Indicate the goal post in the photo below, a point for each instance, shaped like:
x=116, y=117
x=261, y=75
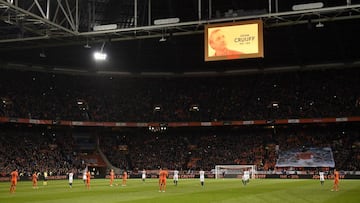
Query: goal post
x=234, y=171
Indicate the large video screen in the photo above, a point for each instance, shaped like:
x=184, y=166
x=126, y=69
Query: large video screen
x=235, y=40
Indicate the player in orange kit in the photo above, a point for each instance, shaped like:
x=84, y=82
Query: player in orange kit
x=162, y=179
x=112, y=176
x=14, y=176
x=35, y=180
x=88, y=176
x=124, y=178
x=336, y=181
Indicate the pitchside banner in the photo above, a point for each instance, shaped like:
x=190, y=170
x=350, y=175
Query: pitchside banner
x=234, y=40
x=308, y=157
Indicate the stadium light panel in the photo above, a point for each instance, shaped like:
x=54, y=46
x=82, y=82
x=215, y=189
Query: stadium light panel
x=166, y=21
x=308, y=6
x=100, y=56
x=105, y=27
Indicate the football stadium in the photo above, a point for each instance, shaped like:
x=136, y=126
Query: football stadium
x=179, y=101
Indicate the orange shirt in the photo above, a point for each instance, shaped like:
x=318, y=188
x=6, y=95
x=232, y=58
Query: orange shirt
x=88, y=175
x=112, y=175
x=14, y=175
x=124, y=175
x=336, y=176
x=34, y=177
x=163, y=174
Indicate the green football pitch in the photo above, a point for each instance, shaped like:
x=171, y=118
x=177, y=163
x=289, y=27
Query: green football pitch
x=188, y=190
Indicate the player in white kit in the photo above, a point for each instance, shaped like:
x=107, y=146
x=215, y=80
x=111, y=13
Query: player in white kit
x=202, y=177
x=246, y=177
x=322, y=177
x=71, y=178
x=84, y=175
x=143, y=175
x=176, y=177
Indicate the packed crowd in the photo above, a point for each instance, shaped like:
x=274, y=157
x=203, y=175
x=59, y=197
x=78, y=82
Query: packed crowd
x=32, y=150
x=194, y=149
x=306, y=94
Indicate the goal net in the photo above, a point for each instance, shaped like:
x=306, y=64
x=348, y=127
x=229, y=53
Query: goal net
x=234, y=171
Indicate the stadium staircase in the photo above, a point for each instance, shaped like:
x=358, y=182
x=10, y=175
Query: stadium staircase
x=94, y=160
x=107, y=162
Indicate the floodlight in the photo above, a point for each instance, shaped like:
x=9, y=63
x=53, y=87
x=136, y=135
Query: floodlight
x=194, y=107
x=100, y=56
x=87, y=46
x=42, y=54
x=319, y=25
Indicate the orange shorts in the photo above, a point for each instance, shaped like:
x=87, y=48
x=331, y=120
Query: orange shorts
x=13, y=182
x=162, y=181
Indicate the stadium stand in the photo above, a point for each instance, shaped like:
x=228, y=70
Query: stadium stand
x=305, y=94
x=267, y=96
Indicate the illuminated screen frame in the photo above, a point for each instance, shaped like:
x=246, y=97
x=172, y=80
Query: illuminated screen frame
x=244, y=39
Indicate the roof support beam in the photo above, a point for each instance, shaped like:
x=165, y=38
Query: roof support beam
x=35, y=16
x=281, y=15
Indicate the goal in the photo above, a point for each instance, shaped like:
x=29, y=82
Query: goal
x=234, y=171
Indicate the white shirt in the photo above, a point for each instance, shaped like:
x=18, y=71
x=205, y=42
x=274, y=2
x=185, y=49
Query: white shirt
x=71, y=177
x=322, y=178
x=246, y=175
x=202, y=176
x=143, y=175
x=176, y=175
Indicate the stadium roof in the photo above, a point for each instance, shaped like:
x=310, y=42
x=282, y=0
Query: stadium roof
x=60, y=34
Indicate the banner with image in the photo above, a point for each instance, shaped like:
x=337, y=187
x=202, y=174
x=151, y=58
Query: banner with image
x=306, y=157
